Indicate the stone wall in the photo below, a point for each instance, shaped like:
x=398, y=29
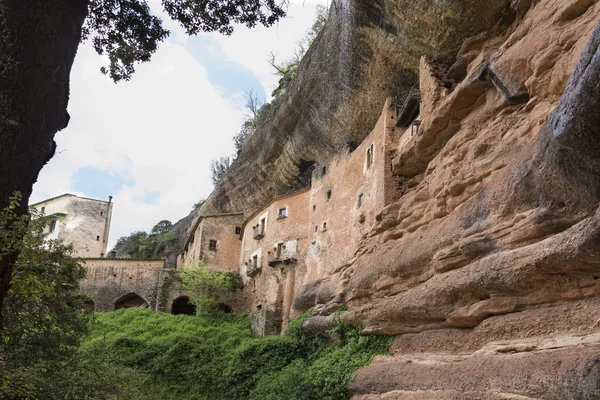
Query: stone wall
x=109, y=282
x=269, y=285
x=216, y=241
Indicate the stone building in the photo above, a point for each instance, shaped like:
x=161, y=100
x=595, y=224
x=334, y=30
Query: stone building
x=301, y=238
x=82, y=222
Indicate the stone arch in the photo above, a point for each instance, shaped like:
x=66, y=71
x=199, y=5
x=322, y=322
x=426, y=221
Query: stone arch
x=88, y=305
x=182, y=305
x=130, y=300
x=224, y=308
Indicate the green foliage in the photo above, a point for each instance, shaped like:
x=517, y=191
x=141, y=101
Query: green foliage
x=140, y=244
x=12, y=226
x=206, y=288
x=288, y=69
x=218, y=357
x=128, y=33
x=43, y=320
x=219, y=169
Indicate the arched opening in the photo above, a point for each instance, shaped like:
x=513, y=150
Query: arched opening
x=183, y=306
x=224, y=308
x=88, y=305
x=130, y=300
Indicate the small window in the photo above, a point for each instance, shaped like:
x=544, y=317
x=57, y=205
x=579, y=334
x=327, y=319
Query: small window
x=361, y=200
x=280, y=248
x=329, y=194
x=255, y=262
x=316, y=228
x=43, y=210
x=282, y=213
x=314, y=208
x=324, y=171
x=102, y=213
x=212, y=245
x=370, y=156
x=52, y=226
x=261, y=226
x=97, y=238
x=324, y=226
x=238, y=230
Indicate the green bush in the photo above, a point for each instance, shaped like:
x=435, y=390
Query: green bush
x=218, y=357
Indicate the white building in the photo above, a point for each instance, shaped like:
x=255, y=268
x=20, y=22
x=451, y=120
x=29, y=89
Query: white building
x=82, y=222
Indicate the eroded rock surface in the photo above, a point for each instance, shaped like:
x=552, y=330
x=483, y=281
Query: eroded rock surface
x=487, y=267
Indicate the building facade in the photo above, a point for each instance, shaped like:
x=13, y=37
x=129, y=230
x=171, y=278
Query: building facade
x=305, y=236
x=79, y=221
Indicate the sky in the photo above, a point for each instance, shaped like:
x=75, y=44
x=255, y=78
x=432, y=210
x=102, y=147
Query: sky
x=149, y=142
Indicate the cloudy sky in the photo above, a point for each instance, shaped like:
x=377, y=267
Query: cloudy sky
x=149, y=142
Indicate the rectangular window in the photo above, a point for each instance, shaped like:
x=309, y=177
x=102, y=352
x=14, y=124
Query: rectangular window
x=255, y=262
x=314, y=208
x=43, y=209
x=282, y=212
x=324, y=171
x=97, y=238
x=261, y=226
x=324, y=226
x=101, y=213
x=52, y=226
x=369, y=156
x=329, y=194
x=212, y=245
x=237, y=230
x=361, y=200
x=279, y=252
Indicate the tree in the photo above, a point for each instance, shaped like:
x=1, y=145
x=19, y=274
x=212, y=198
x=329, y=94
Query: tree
x=219, y=169
x=288, y=69
x=142, y=245
x=207, y=289
x=38, y=43
x=44, y=321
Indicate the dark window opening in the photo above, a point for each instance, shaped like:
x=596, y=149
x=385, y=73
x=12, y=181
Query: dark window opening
x=361, y=200
x=329, y=194
x=183, y=306
x=324, y=171
x=238, y=230
x=314, y=208
x=324, y=226
x=43, y=209
x=370, y=156
x=97, y=238
x=52, y=226
x=212, y=245
x=101, y=213
x=280, y=248
x=316, y=228
x=282, y=212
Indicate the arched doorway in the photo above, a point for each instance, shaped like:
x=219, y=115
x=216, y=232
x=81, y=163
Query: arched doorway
x=130, y=300
x=88, y=305
x=224, y=308
x=182, y=305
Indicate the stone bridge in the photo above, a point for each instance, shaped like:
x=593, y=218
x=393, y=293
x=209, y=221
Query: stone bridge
x=112, y=284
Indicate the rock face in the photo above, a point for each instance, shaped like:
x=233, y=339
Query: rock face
x=487, y=267
x=368, y=50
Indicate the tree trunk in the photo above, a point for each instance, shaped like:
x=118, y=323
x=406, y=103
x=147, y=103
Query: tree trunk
x=38, y=43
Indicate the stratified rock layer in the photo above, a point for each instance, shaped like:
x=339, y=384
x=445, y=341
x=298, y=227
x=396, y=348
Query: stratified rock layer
x=487, y=268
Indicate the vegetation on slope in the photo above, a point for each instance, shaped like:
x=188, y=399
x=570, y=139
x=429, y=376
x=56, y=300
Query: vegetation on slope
x=145, y=245
x=218, y=357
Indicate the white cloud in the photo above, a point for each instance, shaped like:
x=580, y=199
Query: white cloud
x=252, y=47
x=162, y=129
